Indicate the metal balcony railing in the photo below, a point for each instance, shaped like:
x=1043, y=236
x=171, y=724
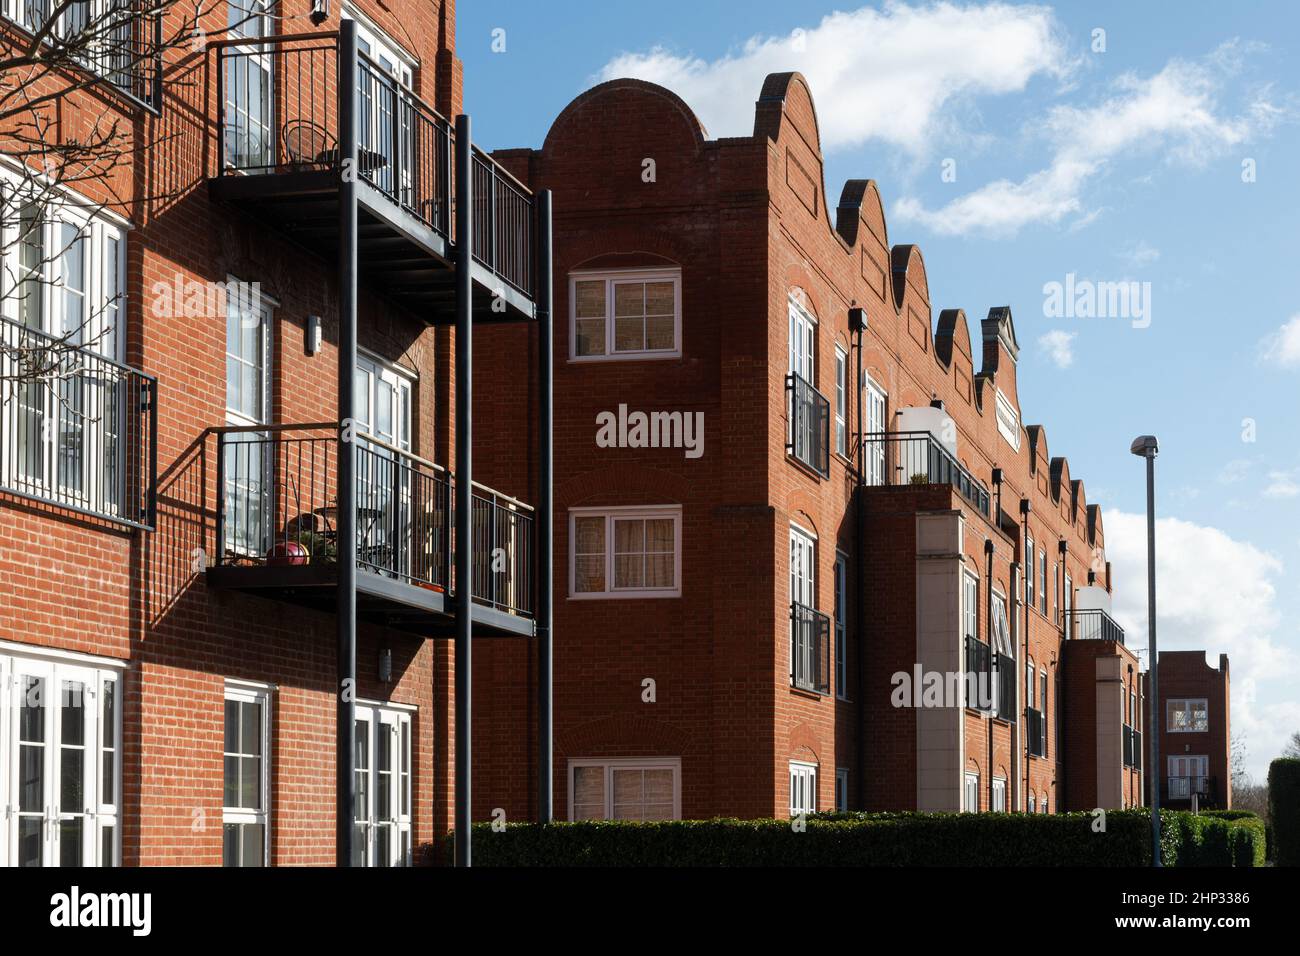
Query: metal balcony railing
x=1132, y=748
x=278, y=506
x=77, y=430
x=1182, y=788
x=808, y=433
x=279, y=105
x=1094, y=624
x=1035, y=732
x=810, y=649
x=918, y=458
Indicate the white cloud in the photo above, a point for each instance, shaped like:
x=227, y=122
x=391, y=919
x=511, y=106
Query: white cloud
x=1283, y=346
x=1219, y=595
x=1174, y=113
x=1059, y=346
x=895, y=74
x=1282, y=484
x=1234, y=471
x=1140, y=253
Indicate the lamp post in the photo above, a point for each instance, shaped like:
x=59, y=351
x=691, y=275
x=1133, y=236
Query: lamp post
x=1146, y=446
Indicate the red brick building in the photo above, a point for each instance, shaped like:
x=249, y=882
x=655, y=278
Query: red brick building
x=740, y=607
x=174, y=673
x=1195, y=731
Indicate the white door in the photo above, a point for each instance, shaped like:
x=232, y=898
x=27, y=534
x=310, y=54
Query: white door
x=1187, y=776
x=803, y=591
x=803, y=336
x=385, y=114
x=383, y=815
x=250, y=135
x=874, y=453
x=383, y=411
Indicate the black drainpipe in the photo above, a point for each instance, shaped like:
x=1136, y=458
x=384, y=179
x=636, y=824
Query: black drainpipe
x=988, y=619
x=858, y=325
x=1025, y=508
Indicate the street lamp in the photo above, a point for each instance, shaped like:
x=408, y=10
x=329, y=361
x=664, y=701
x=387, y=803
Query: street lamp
x=1146, y=446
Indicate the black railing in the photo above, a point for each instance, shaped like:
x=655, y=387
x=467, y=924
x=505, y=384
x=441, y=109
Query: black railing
x=810, y=649
x=503, y=223
x=808, y=434
x=1182, y=788
x=979, y=669
x=1132, y=748
x=121, y=41
x=1094, y=624
x=278, y=506
x=278, y=102
x=918, y=458
x=1035, y=732
x=77, y=430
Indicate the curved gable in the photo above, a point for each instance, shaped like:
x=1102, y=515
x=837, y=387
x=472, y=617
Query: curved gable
x=585, y=123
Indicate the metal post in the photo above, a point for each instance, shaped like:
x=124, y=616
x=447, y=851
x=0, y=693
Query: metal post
x=345, y=717
x=545, y=510
x=1153, y=724
x=464, y=542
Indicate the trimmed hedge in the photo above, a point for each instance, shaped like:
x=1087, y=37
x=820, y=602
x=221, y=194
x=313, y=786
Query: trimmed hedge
x=1284, y=810
x=876, y=839
x=1246, y=850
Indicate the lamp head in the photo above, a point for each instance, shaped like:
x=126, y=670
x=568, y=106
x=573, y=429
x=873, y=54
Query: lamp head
x=1145, y=446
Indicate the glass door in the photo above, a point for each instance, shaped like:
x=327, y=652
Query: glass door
x=875, y=425
x=250, y=123
x=383, y=412
x=383, y=814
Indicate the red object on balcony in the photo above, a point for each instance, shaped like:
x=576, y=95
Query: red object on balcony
x=288, y=552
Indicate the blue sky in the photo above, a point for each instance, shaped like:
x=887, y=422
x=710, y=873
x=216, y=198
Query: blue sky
x=1124, y=164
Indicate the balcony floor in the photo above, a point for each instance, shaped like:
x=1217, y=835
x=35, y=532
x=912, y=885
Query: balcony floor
x=397, y=253
x=380, y=600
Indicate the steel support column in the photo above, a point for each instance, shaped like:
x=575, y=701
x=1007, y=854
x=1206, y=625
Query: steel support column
x=464, y=479
x=545, y=510
x=347, y=462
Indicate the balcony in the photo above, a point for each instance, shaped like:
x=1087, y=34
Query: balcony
x=276, y=532
x=1094, y=624
x=808, y=436
x=810, y=649
x=918, y=458
x=1035, y=732
x=1132, y=748
x=1184, y=788
x=78, y=431
x=278, y=154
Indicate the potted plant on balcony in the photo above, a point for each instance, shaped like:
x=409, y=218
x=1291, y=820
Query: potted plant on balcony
x=305, y=547
x=920, y=478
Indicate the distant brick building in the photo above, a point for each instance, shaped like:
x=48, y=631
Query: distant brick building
x=1195, y=731
x=869, y=507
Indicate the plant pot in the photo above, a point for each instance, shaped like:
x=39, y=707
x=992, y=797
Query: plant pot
x=288, y=553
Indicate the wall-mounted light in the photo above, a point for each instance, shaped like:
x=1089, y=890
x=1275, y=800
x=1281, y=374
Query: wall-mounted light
x=385, y=665
x=320, y=12
x=857, y=319
x=313, y=334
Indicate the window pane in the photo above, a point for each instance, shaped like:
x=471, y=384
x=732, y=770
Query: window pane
x=251, y=851
x=250, y=795
x=659, y=571
x=590, y=534
x=70, y=848
x=629, y=570
x=659, y=298
x=659, y=332
x=251, y=728
x=590, y=337
x=629, y=334
x=589, y=574
x=589, y=299
x=230, y=790
x=629, y=535
x=629, y=298
x=588, y=793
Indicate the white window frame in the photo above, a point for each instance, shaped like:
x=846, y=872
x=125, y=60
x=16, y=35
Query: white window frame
x=1031, y=676
x=610, y=764
x=999, y=795
x=877, y=422
x=802, y=335
x=238, y=539
x=1189, y=709
x=841, y=402
x=841, y=625
x=251, y=693
x=1042, y=578
x=652, y=512
x=803, y=782
x=1030, y=565
x=98, y=813
x=970, y=795
x=842, y=789
x=1069, y=604
x=612, y=278
x=970, y=603
x=389, y=718
x=101, y=331
x=1033, y=802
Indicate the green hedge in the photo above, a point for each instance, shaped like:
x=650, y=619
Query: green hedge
x=877, y=839
x=1246, y=850
x=1284, y=810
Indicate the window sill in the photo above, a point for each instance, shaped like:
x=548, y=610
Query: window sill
x=804, y=692
x=626, y=595
x=625, y=357
x=806, y=468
